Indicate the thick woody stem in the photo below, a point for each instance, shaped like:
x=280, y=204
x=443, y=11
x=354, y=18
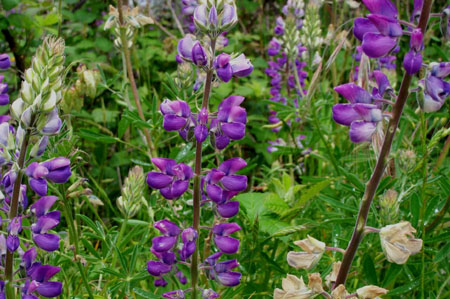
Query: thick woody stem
x=374, y=181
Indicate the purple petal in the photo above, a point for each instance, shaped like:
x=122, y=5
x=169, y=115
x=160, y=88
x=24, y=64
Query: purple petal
x=45, y=272
x=50, y=289
x=175, y=190
x=377, y=45
x=232, y=165
x=241, y=66
x=226, y=266
x=235, y=182
x=227, y=245
x=228, y=14
x=39, y=186
x=185, y=46
x=162, y=243
x=201, y=133
x=199, y=55
x=229, y=279
x=4, y=99
x=173, y=122
x=47, y=242
x=368, y=112
x=353, y=93
x=412, y=62
x=225, y=73
x=5, y=62
x=226, y=229
x=214, y=193
x=156, y=268
x=12, y=243
x=382, y=81
x=382, y=7
x=387, y=26
x=361, y=131
x=234, y=131
x=41, y=207
x=228, y=209
x=344, y=114
x=167, y=227
x=361, y=26
x=157, y=180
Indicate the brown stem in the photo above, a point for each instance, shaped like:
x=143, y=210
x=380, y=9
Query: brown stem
x=443, y=154
x=197, y=178
x=134, y=90
x=13, y=209
x=374, y=181
x=20, y=59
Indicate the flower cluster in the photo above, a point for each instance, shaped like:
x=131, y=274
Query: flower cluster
x=36, y=111
x=187, y=9
x=286, y=68
x=214, y=188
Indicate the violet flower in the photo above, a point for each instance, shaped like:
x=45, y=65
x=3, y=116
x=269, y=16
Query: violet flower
x=56, y=170
x=221, y=271
x=436, y=90
x=39, y=283
x=361, y=115
x=222, y=239
x=5, y=62
x=4, y=97
x=380, y=31
x=173, y=180
x=413, y=59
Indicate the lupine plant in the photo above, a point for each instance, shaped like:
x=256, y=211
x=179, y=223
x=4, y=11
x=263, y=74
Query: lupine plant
x=367, y=115
x=214, y=188
x=37, y=114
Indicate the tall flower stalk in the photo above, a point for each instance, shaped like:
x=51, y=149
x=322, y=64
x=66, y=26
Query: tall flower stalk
x=378, y=172
x=36, y=111
x=216, y=189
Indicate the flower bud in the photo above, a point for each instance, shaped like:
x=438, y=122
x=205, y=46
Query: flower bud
x=132, y=193
x=5, y=62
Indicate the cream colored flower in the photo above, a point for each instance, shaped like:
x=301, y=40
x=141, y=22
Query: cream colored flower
x=398, y=242
x=293, y=288
x=331, y=278
x=313, y=251
x=315, y=283
x=339, y=293
x=370, y=292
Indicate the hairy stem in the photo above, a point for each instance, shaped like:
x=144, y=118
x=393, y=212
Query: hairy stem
x=13, y=210
x=377, y=174
x=126, y=53
x=197, y=178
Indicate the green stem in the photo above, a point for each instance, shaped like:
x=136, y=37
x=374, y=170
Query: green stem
x=423, y=198
x=197, y=178
x=73, y=238
x=137, y=101
x=378, y=172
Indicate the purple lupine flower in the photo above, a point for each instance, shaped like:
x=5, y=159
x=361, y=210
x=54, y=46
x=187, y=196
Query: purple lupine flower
x=279, y=28
x=56, y=170
x=435, y=93
x=221, y=271
x=200, y=16
x=241, y=66
x=199, y=56
x=170, y=233
x=53, y=124
x=223, y=184
x=188, y=236
x=181, y=277
x=188, y=8
x=39, y=283
x=173, y=180
x=44, y=240
x=201, y=130
x=4, y=97
x=413, y=59
x=380, y=31
x=229, y=15
x=230, y=122
x=209, y=294
x=176, y=114
x=274, y=47
x=178, y=294
x=5, y=62
x=14, y=228
x=222, y=239
x=361, y=115
x=223, y=67
x=43, y=205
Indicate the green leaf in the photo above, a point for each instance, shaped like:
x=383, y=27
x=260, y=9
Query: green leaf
x=9, y=4
x=253, y=204
x=404, y=288
x=90, y=248
x=97, y=137
x=370, y=273
x=442, y=254
x=145, y=294
x=91, y=224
